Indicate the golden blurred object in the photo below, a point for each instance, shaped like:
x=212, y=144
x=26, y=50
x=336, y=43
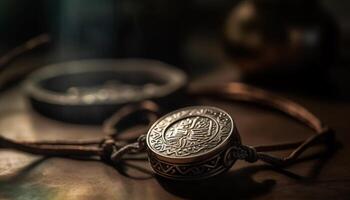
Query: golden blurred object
x=279, y=36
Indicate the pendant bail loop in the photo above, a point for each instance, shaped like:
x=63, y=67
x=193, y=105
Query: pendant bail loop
x=136, y=147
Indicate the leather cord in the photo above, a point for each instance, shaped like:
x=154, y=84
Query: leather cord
x=245, y=93
x=111, y=150
x=9, y=74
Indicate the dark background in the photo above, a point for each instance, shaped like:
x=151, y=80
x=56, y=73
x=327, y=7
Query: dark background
x=188, y=34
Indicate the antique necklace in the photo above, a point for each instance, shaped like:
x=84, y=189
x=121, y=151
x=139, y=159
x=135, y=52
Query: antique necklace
x=190, y=143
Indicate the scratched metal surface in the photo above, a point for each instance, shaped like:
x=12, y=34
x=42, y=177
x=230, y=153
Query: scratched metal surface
x=24, y=176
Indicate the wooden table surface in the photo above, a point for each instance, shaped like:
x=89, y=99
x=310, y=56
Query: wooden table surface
x=24, y=176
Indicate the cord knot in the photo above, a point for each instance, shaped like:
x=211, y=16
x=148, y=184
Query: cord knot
x=108, y=148
x=115, y=156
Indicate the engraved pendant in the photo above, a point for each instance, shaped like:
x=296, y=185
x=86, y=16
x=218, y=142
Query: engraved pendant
x=193, y=143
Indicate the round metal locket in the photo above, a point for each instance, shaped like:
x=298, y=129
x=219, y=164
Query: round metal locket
x=192, y=143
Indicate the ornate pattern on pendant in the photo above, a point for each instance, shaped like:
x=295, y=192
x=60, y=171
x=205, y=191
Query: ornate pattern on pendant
x=190, y=132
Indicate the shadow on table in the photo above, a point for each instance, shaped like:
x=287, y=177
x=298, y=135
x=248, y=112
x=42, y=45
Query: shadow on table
x=239, y=184
x=236, y=184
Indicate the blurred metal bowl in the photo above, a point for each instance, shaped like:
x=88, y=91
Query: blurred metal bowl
x=89, y=91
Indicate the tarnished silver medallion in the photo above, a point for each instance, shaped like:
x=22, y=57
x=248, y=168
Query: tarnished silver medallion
x=192, y=143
